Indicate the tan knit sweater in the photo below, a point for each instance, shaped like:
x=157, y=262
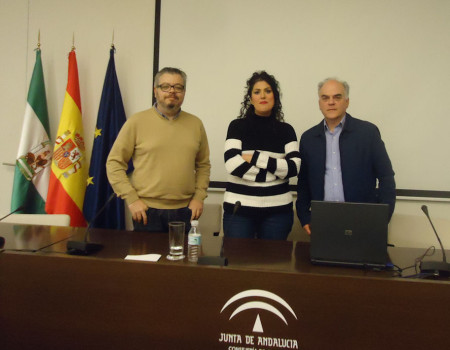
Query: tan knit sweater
x=170, y=158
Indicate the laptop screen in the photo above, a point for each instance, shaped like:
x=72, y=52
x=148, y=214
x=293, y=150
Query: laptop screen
x=352, y=234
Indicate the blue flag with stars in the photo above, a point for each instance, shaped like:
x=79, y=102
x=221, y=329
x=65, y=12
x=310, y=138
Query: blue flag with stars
x=101, y=208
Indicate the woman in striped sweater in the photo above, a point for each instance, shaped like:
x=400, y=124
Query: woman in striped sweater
x=261, y=154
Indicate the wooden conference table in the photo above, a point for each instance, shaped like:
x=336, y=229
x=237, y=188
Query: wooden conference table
x=268, y=297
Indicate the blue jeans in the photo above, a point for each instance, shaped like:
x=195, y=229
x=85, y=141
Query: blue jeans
x=274, y=226
x=158, y=219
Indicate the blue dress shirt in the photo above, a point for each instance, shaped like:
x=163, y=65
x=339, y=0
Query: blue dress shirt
x=334, y=189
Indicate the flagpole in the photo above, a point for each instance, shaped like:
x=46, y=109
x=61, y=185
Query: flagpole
x=39, y=41
x=112, y=43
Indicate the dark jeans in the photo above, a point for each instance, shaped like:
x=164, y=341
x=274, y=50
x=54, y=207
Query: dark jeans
x=274, y=226
x=158, y=219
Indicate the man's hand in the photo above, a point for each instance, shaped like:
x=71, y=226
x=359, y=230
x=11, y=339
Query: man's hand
x=307, y=229
x=196, y=207
x=138, y=211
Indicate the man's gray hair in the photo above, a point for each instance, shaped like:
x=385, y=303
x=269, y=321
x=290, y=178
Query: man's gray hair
x=169, y=70
x=344, y=84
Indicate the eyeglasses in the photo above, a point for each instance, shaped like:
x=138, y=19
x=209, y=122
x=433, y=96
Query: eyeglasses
x=167, y=87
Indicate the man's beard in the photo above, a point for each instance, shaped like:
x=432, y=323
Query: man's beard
x=172, y=104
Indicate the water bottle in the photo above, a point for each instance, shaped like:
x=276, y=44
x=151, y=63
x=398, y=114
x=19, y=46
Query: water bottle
x=194, y=242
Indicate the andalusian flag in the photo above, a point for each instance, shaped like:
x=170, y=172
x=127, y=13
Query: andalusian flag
x=69, y=172
x=32, y=171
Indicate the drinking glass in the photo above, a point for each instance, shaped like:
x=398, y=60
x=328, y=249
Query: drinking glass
x=176, y=240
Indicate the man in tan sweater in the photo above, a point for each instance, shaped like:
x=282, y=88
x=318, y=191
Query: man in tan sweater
x=170, y=154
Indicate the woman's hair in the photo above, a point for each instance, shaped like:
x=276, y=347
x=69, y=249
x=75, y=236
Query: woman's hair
x=248, y=109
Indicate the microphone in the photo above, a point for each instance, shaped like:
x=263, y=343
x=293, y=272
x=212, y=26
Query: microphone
x=219, y=260
x=437, y=268
x=14, y=211
x=236, y=207
x=84, y=247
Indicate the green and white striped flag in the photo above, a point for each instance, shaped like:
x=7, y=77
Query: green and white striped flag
x=32, y=173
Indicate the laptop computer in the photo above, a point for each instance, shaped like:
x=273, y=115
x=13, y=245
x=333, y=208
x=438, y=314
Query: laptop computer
x=349, y=234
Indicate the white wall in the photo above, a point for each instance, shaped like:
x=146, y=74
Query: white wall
x=393, y=53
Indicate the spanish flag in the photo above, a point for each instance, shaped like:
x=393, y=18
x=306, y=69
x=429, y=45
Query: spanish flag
x=69, y=172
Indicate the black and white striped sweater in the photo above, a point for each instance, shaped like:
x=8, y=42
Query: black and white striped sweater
x=262, y=186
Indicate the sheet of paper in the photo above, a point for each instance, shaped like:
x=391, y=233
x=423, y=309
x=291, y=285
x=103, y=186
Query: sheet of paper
x=144, y=257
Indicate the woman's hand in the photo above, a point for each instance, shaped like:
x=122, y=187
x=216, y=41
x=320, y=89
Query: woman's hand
x=247, y=157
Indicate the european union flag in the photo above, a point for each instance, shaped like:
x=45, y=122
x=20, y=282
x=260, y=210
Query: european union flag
x=111, y=117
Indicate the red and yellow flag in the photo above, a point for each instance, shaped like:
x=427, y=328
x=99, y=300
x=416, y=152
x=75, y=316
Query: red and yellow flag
x=69, y=173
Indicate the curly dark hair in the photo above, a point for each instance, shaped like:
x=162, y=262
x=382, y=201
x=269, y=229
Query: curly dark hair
x=248, y=109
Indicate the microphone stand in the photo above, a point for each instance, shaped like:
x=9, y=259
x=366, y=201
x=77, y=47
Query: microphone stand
x=15, y=211
x=84, y=247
